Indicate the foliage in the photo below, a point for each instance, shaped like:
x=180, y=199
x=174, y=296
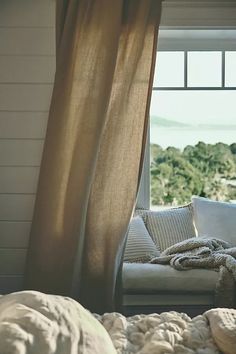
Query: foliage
x=204, y=169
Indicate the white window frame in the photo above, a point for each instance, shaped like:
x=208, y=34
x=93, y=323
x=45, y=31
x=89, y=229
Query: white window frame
x=168, y=43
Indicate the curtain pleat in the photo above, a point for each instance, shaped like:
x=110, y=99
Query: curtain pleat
x=93, y=149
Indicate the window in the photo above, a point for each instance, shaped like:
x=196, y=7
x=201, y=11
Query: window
x=193, y=121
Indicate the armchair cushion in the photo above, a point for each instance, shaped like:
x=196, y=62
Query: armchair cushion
x=155, y=278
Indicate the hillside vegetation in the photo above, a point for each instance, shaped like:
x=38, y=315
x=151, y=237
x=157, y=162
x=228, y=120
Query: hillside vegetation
x=167, y=123
x=204, y=169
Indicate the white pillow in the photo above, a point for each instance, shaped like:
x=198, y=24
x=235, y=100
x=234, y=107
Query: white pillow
x=139, y=247
x=215, y=219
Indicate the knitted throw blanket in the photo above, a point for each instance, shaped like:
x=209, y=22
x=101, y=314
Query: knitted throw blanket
x=207, y=253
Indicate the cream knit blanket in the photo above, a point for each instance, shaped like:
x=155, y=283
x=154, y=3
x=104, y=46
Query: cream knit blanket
x=36, y=323
x=207, y=253
x=166, y=333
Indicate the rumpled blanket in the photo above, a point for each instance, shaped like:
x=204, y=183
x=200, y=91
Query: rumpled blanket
x=209, y=253
x=167, y=333
x=36, y=323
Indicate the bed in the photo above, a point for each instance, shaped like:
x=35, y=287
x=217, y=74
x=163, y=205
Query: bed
x=33, y=322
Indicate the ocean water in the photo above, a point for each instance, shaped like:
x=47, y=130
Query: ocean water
x=181, y=137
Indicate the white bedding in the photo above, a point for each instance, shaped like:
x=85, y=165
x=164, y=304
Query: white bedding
x=36, y=323
x=170, y=332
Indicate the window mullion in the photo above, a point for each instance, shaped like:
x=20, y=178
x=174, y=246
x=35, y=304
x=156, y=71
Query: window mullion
x=185, y=69
x=223, y=69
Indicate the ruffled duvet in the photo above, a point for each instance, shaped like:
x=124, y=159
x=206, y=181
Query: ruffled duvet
x=32, y=322
x=170, y=332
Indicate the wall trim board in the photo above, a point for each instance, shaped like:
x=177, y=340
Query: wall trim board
x=27, y=69
x=27, y=97
x=15, y=125
x=14, y=234
x=16, y=207
x=27, y=41
x=12, y=261
x=35, y=13
x=10, y=283
x=20, y=152
x=16, y=180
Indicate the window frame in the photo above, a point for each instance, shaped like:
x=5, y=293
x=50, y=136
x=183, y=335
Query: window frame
x=144, y=196
x=198, y=88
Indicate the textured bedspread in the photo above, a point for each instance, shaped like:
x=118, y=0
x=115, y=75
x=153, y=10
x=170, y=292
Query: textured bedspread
x=36, y=323
x=170, y=332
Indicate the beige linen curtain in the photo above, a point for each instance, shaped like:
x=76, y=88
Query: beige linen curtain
x=94, y=146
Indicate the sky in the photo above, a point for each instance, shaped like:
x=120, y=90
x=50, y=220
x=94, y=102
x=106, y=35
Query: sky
x=195, y=107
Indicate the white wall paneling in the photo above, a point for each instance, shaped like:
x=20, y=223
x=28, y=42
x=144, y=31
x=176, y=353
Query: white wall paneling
x=14, y=234
x=11, y=283
x=18, y=125
x=25, y=97
x=16, y=207
x=21, y=152
x=12, y=261
x=18, y=180
x=27, y=13
x=27, y=41
x=27, y=67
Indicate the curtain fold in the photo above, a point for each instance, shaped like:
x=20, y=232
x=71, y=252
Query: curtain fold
x=94, y=146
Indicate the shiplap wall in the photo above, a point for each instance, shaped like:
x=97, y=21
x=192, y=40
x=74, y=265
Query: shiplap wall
x=27, y=66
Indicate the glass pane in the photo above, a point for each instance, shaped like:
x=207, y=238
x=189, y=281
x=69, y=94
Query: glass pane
x=169, y=71
x=204, y=69
x=230, y=69
x=193, y=146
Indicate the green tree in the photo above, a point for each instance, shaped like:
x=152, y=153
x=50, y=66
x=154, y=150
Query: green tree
x=204, y=169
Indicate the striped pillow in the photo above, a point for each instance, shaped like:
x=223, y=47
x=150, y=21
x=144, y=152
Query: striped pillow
x=139, y=246
x=142, y=213
x=167, y=227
